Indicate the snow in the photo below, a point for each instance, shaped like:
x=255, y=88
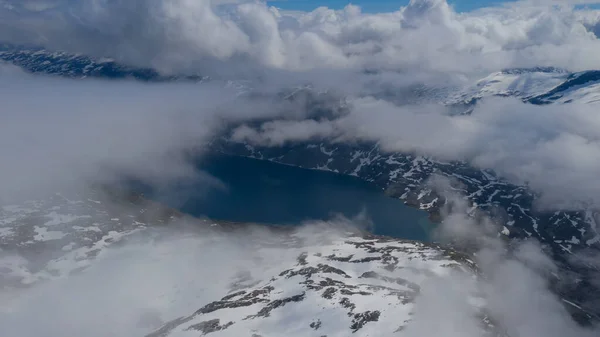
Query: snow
x=16, y=267
x=7, y=220
x=6, y=232
x=57, y=219
x=587, y=93
x=394, y=174
x=92, y=228
x=519, y=84
x=491, y=197
x=423, y=193
x=529, y=84
x=68, y=247
x=324, y=150
x=18, y=209
x=82, y=257
x=526, y=84
x=416, y=263
x=571, y=303
x=594, y=226
x=326, y=166
x=43, y=234
x=428, y=205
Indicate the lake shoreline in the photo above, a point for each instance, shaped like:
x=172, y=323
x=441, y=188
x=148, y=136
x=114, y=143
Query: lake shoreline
x=433, y=213
x=164, y=213
x=247, y=189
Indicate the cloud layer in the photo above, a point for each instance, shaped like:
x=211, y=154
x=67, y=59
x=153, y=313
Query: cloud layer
x=186, y=35
x=555, y=149
x=63, y=133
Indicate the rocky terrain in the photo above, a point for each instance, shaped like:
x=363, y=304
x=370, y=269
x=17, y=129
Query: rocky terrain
x=364, y=286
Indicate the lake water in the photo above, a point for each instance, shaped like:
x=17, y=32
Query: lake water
x=266, y=192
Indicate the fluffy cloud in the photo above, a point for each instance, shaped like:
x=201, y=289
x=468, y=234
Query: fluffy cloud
x=424, y=42
x=516, y=278
x=59, y=133
x=185, y=35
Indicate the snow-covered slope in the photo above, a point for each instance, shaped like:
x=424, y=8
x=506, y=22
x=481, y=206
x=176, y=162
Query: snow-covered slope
x=522, y=83
x=535, y=86
x=541, y=85
x=349, y=286
x=64, y=233
x=581, y=87
x=249, y=280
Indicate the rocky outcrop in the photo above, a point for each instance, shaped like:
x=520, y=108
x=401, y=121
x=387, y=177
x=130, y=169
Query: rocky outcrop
x=365, y=285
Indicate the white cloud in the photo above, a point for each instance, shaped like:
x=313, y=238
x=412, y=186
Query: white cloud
x=185, y=35
x=516, y=279
x=59, y=133
x=555, y=149
x=62, y=132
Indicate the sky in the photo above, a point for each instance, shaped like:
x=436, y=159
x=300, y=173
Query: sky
x=372, y=6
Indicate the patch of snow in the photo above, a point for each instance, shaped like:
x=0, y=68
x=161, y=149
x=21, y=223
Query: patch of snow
x=43, y=234
x=68, y=247
x=6, y=232
x=58, y=219
x=324, y=151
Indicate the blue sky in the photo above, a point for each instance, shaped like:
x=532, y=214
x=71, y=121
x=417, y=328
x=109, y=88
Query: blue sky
x=376, y=5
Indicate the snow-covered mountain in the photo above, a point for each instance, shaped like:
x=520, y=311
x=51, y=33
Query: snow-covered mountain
x=535, y=86
x=335, y=283
x=400, y=175
x=41, y=61
x=364, y=286
x=542, y=85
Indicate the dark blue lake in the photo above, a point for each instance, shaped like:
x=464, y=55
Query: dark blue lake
x=266, y=192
